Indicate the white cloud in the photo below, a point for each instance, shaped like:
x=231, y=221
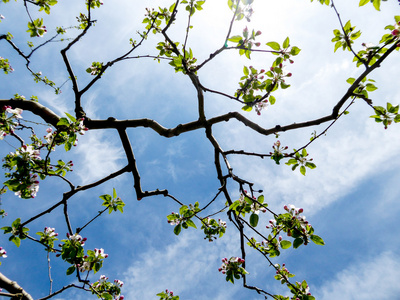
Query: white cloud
x=183, y=266
x=375, y=278
x=98, y=157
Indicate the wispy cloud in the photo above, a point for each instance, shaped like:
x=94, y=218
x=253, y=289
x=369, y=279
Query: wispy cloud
x=375, y=278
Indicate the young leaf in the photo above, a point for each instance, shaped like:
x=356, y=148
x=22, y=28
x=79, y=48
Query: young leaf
x=191, y=223
x=274, y=45
x=297, y=243
x=285, y=244
x=254, y=220
x=303, y=170
x=286, y=43
x=177, y=229
x=70, y=270
x=317, y=240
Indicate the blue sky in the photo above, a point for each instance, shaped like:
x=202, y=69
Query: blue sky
x=351, y=198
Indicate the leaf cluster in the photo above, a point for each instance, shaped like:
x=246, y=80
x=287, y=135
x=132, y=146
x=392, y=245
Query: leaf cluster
x=347, y=38
x=17, y=232
x=300, y=159
x=183, y=218
x=386, y=115
x=113, y=203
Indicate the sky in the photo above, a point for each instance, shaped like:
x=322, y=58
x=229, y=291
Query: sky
x=351, y=198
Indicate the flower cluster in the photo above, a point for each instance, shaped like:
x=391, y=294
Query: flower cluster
x=48, y=237
x=3, y=252
x=175, y=219
x=27, y=152
x=232, y=263
x=273, y=225
x=396, y=30
x=278, y=154
x=95, y=68
x=93, y=261
x=256, y=207
x=5, y=65
x=279, y=74
x=104, y=289
x=295, y=212
x=167, y=295
x=8, y=120
x=36, y=28
x=76, y=238
x=282, y=273
x=299, y=290
x=67, y=130
x=31, y=190
x=248, y=204
x=212, y=228
x=22, y=180
x=260, y=106
x=183, y=218
x=232, y=268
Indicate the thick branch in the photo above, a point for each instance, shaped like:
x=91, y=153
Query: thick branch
x=14, y=288
x=38, y=109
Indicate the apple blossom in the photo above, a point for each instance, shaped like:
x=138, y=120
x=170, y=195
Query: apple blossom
x=3, y=252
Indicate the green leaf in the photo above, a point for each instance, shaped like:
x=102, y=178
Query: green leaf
x=191, y=223
x=72, y=118
x=63, y=121
x=285, y=244
x=286, y=43
x=274, y=45
x=363, y=2
x=272, y=100
x=177, y=229
x=254, y=220
x=234, y=205
x=317, y=240
x=310, y=165
x=337, y=45
x=351, y=80
x=297, y=243
x=303, y=170
x=245, y=71
x=16, y=240
x=70, y=270
x=377, y=4
x=247, y=108
x=370, y=87
x=295, y=50
x=235, y=39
